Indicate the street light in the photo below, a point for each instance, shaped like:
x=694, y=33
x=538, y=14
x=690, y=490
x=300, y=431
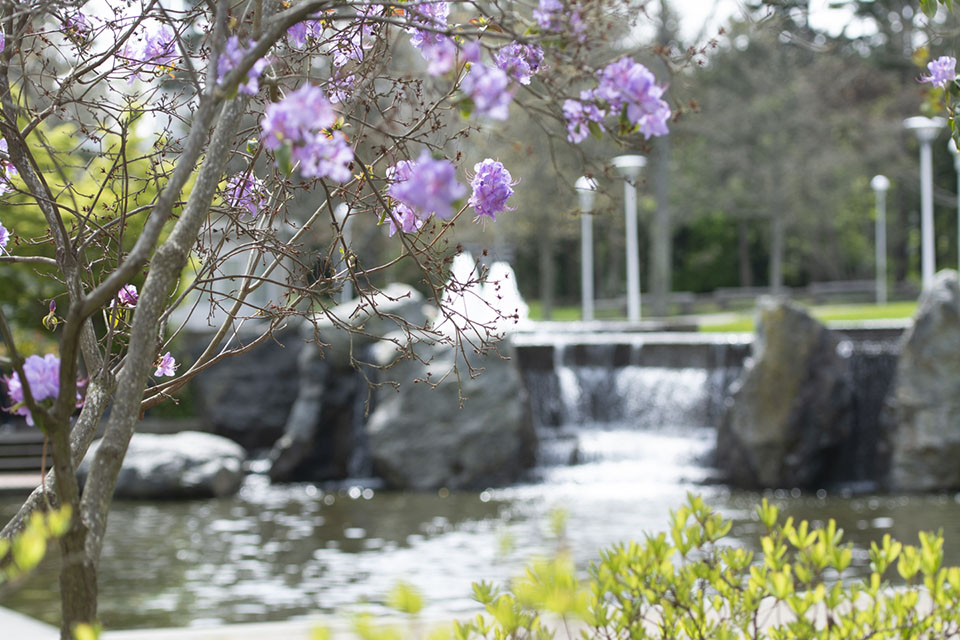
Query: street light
x=952, y=145
x=629, y=167
x=926, y=130
x=587, y=190
x=342, y=213
x=880, y=185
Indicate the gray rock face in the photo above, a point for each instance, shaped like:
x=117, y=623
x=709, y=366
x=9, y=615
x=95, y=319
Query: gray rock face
x=323, y=437
x=189, y=464
x=247, y=398
x=421, y=438
x=793, y=404
x=926, y=394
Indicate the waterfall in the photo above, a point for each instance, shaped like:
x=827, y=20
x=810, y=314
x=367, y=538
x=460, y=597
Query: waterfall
x=653, y=381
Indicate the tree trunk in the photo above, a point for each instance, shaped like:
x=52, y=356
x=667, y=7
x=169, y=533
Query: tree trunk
x=660, y=257
x=547, y=273
x=776, y=252
x=743, y=254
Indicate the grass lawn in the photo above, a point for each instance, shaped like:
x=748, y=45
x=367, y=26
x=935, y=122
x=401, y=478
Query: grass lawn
x=742, y=321
x=828, y=313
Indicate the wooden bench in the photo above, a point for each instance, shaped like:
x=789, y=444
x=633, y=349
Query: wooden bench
x=22, y=451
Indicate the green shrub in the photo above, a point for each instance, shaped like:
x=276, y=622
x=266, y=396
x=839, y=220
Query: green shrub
x=688, y=584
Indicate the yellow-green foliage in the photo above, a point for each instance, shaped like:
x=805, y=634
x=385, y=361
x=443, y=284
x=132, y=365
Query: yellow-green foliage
x=24, y=552
x=103, y=191
x=688, y=584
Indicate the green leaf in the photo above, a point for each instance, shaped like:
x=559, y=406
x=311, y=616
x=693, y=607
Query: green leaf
x=595, y=130
x=929, y=7
x=252, y=145
x=285, y=159
x=405, y=598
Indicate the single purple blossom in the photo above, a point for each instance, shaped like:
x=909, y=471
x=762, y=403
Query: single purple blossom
x=153, y=44
x=6, y=169
x=3, y=41
x=943, y=71
x=43, y=376
x=489, y=88
x=4, y=238
x=430, y=187
x=406, y=217
x=245, y=190
x=126, y=297
x=77, y=27
x=166, y=365
x=519, y=61
x=306, y=29
x=492, y=186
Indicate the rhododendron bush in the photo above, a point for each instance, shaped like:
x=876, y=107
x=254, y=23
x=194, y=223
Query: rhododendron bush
x=159, y=140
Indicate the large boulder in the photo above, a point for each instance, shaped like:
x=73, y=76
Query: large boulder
x=926, y=394
x=248, y=397
x=467, y=432
x=792, y=405
x=323, y=437
x=189, y=464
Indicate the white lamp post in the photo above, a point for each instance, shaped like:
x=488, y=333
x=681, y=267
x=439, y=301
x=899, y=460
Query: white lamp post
x=629, y=167
x=880, y=185
x=926, y=130
x=587, y=190
x=342, y=213
x=956, y=165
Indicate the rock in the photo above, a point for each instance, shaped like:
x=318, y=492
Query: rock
x=323, y=438
x=248, y=397
x=925, y=400
x=792, y=405
x=421, y=438
x=189, y=464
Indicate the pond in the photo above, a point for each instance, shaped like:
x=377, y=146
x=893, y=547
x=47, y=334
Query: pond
x=282, y=552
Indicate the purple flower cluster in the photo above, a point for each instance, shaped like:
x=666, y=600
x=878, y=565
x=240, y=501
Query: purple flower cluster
x=520, y=61
x=425, y=187
x=153, y=44
x=43, y=376
x=492, y=185
x=489, y=89
x=340, y=87
x=437, y=49
x=230, y=57
x=625, y=86
x=353, y=41
x=551, y=16
x=579, y=115
x=303, y=120
x=943, y=71
x=245, y=190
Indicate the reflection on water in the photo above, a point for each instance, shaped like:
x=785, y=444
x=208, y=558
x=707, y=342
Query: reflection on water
x=274, y=553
